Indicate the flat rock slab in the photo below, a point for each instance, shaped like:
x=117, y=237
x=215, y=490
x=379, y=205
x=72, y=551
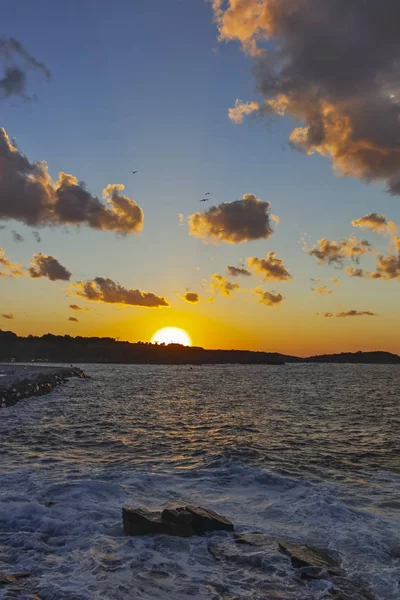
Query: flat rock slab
x=304, y=556
x=19, y=381
x=183, y=521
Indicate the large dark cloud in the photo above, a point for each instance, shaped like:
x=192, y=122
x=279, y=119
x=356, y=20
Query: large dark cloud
x=29, y=195
x=106, y=290
x=271, y=268
x=233, y=222
x=48, y=266
x=17, y=62
x=334, y=65
x=332, y=252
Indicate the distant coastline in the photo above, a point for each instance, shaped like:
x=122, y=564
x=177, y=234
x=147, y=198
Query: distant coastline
x=67, y=349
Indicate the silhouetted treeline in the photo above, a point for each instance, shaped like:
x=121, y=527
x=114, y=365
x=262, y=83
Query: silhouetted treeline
x=58, y=348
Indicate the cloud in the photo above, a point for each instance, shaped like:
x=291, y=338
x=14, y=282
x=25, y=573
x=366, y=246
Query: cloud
x=223, y=285
x=29, y=195
x=17, y=237
x=378, y=223
x=191, y=297
x=13, y=83
x=269, y=298
x=241, y=109
x=48, y=266
x=335, y=281
x=7, y=316
x=356, y=313
x=322, y=290
x=327, y=315
x=271, y=268
x=37, y=237
x=78, y=308
x=334, y=66
x=387, y=267
x=73, y=319
x=236, y=271
x=106, y=290
x=11, y=269
x=355, y=272
x=332, y=252
x=233, y=222
x=181, y=218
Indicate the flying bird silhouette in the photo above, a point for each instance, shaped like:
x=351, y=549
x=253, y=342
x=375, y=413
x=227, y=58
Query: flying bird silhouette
x=205, y=200
x=207, y=193
x=133, y=172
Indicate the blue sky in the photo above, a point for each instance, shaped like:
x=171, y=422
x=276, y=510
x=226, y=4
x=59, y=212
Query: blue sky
x=147, y=86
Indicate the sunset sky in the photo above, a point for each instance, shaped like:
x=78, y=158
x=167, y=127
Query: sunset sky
x=303, y=171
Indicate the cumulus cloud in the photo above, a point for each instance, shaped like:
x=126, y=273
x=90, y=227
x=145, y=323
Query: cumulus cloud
x=241, y=109
x=237, y=271
x=37, y=237
x=8, y=268
x=106, y=290
x=29, y=195
x=17, y=61
x=191, y=297
x=17, y=237
x=378, y=223
x=271, y=268
x=335, y=67
x=233, y=222
x=269, y=298
x=73, y=319
x=335, y=281
x=223, y=285
x=356, y=313
x=322, y=290
x=48, y=266
x=7, y=316
x=332, y=252
x=387, y=267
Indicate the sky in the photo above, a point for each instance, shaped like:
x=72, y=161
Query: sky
x=291, y=123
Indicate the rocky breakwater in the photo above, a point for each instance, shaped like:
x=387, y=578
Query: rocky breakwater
x=18, y=381
x=308, y=571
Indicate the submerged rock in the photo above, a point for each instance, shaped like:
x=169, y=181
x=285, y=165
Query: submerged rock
x=183, y=521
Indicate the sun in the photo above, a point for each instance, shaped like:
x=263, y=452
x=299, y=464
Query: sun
x=171, y=335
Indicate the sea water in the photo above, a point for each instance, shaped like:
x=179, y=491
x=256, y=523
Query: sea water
x=309, y=453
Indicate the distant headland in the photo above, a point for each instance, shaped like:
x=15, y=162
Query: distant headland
x=67, y=349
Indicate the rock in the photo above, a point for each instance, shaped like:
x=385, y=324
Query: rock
x=12, y=578
x=182, y=521
x=204, y=519
x=307, y=556
x=253, y=539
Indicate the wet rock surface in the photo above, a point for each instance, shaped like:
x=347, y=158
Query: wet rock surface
x=313, y=568
x=18, y=381
x=183, y=521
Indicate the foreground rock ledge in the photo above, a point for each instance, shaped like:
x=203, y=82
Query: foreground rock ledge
x=18, y=381
x=183, y=521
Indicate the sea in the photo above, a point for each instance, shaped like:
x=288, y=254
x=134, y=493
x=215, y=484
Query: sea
x=302, y=452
